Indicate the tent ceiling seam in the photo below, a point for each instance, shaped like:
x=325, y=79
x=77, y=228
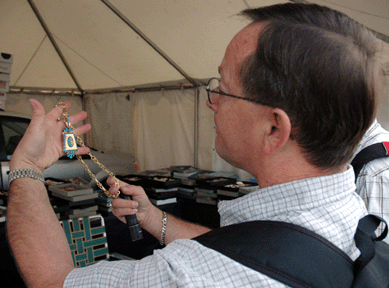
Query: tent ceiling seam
x=48, y=33
x=87, y=61
x=247, y=4
x=32, y=57
x=76, y=92
x=148, y=41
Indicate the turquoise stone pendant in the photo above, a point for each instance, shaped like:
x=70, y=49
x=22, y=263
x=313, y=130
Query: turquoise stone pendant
x=69, y=141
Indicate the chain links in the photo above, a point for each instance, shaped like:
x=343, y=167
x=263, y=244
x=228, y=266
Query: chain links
x=93, y=158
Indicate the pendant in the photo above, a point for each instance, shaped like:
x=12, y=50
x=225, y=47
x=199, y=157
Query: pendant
x=69, y=141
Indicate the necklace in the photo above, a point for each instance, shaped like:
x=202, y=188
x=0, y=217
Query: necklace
x=70, y=147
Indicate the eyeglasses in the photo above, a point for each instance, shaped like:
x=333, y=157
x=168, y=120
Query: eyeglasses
x=214, y=92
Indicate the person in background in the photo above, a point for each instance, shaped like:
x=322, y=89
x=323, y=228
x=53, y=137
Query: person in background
x=373, y=179
x=298, y=90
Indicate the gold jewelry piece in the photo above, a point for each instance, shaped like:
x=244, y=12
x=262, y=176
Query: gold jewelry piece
x=70, y=147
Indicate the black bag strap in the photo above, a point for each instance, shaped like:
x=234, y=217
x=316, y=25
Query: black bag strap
x=365, y=238
x=286, y=252
x=368, y=154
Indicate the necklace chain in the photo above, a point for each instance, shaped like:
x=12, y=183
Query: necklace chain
x=93, y=158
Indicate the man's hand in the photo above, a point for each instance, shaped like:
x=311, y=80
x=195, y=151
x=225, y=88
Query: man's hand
x=148, y=215
x=42, y=145
x=140, y=204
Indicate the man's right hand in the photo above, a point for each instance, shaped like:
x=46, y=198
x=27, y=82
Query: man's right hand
x=149, y=216
x=140, y=204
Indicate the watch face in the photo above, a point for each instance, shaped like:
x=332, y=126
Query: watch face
x=69, y=142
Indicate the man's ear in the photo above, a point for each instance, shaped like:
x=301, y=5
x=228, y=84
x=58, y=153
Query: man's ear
x=278, y=132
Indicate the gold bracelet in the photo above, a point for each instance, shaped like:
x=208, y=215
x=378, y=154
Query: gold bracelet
x=70, y=147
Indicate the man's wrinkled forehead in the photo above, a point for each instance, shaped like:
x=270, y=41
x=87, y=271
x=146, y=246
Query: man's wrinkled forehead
x=242, y=45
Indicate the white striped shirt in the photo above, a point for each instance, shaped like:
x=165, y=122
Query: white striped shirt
x=373, y=179
x=327, y=205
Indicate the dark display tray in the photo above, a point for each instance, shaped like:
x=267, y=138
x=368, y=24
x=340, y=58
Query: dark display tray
x=216, y=182
x=235, y=187
x=133, y=179
x=162, y=182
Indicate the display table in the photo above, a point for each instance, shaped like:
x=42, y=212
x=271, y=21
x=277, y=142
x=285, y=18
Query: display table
x=118, y=237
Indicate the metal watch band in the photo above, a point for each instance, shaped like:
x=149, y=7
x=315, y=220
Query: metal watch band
x=22, y=173
x=164, y=222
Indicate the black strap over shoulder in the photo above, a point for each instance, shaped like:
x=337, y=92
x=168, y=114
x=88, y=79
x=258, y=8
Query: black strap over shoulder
x=283, y=251
x=300, y=258
x=368, y=154
x=372, y=267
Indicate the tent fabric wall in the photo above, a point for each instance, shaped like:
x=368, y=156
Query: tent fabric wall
x=156, y=129
x=19, y=102
x=164, y=131
x=208, y=157
x=383, y=106
x=112, y=126
x=206, y=132
x=164, y=128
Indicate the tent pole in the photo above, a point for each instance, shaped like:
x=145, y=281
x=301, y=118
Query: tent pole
x=196, y=127
x=148, y=40
x=48, y=33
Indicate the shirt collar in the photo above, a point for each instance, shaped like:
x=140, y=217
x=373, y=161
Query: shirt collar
x=304, y=194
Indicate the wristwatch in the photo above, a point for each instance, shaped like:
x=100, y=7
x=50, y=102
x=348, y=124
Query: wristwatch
x=22, y=173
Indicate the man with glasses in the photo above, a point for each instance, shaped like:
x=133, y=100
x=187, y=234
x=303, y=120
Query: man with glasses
x=297, y=92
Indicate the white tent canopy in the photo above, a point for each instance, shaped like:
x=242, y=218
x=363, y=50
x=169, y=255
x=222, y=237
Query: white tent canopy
x=105, y=46
x=103, y=51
